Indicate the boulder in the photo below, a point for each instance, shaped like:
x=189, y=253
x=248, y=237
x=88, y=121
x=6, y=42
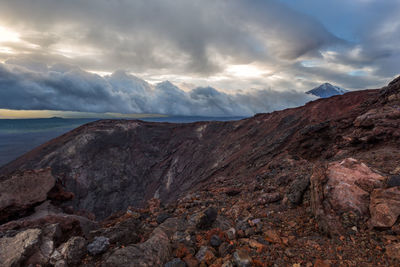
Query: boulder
x=99, y=245
x=123, y=233
x=385, y=207
x=23, y=190
x=153, y=252
x=349, y=183
x=49, y=237
x=242, y=258
x=73, y=250
x=207, y=218
x=296, y=190
x=14, y=251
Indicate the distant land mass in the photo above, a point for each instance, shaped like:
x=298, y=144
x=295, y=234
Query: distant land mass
x=327, y=90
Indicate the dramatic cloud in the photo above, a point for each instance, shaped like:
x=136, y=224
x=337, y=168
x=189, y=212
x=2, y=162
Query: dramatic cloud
x=69, y=88
x=239, y=47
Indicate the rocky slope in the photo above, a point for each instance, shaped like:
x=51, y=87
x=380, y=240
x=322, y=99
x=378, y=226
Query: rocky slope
x=310, y=186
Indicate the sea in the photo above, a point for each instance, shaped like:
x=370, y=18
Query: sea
x=18, y=136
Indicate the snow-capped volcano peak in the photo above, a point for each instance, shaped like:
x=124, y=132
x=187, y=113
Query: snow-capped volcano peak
x=327, y=90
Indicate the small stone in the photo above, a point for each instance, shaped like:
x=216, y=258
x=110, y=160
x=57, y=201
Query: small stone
x=296, y=190
x=99, y=245
x=255, y=222
x=191, y=261
x=225, y=249
x=396, y=171
x=249, y=232
x=269, y=198
x=242, y=259
x=175, y=263
x=227, y=264
x=60, y=263
x=55, y=257
x=290, y=252
x=322, y=263
x=272, y=236
x=205, y=254
x=207, y=218
x=73, y=250
x=393, y=251
x=393, y=181
x=215, y=241
x=162, y=217
x=231, y=233
x=255, y=244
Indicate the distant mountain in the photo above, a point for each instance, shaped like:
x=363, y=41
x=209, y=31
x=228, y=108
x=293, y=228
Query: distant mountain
x=327, y=90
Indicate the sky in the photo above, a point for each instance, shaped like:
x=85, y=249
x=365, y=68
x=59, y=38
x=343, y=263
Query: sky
x=197, y=57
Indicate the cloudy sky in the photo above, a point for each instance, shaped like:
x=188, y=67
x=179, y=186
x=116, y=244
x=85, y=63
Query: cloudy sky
x=221, y=57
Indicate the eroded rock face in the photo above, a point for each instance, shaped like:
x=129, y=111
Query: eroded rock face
x=385, y=207
x=23, y=190
x=348, y=185
x=155, y=251
x=73, y=250
x=15, y=250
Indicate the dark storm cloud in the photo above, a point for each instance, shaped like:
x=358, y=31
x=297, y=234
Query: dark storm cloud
x=63, y=87
x=183, y=36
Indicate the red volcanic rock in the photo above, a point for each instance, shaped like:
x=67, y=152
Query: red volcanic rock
x=393, y=251
x=349, y=182
x=385, y=207
x=23, y=190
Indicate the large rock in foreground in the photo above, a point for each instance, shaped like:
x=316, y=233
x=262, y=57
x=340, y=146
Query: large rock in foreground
x=23, y=190
x=15, y=250
x=385, y=207
x=349, y=185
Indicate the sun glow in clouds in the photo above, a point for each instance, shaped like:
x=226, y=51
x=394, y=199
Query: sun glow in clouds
x=7, y=35
x=246, y=71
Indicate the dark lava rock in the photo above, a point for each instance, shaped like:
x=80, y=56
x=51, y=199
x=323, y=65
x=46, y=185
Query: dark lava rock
x=225, y=249
x=297, y=189
x=162, y=217
x=269, y=198
x=99, y=245
x=393, y=181
x=124, y=233
x=207, y=218
x=232, y=192
x=175, y=263
x=215, y=241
